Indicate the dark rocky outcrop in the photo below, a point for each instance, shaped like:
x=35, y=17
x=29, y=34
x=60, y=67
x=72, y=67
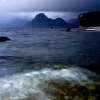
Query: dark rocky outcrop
x=68, y=29
x=3, y=38
x=90, y=19
x=42, y=21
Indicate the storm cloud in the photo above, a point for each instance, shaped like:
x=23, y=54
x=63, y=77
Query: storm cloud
x=51, y=7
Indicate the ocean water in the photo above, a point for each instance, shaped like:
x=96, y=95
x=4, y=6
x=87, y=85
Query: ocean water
x=37, y=62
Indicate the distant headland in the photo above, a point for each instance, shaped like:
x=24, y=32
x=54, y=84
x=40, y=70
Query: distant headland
x=84, y=20
x=90, y=19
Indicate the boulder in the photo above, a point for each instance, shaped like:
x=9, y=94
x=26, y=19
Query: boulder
x=3, y=38
x=68, y=29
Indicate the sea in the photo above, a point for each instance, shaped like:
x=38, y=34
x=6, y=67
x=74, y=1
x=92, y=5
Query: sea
x=49, y=64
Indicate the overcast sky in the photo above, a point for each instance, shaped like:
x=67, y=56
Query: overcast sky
x=52, y=8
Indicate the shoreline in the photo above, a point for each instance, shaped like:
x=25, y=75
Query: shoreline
x=94, y=28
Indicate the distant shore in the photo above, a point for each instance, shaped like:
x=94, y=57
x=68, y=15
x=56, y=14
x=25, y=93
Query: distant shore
x=95, y=28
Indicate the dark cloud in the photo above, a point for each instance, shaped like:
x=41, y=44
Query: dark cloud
x=49, y=5
x=53, y=8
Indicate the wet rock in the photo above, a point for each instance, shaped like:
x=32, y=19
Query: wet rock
x=51, y=27
x=68, y=29
x=3, y=38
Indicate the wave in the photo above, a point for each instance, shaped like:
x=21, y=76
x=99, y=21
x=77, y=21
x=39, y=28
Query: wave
x=33, y=85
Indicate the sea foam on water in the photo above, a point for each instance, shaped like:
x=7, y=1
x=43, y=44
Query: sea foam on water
x=32, y=85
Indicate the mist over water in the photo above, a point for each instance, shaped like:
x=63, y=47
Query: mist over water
x=37, y=59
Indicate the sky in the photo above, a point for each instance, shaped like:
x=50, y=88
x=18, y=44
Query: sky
x=27, y=9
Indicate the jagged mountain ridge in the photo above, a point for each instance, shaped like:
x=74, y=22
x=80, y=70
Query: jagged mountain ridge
x=41, y=21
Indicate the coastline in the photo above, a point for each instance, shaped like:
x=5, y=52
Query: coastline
x=96, y=28
x=91, y=28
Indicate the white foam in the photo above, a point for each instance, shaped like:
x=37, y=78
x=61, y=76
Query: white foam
x=32, y=84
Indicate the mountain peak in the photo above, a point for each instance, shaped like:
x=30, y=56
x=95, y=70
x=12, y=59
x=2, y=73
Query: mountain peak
x=41, y=20
x=41, y=16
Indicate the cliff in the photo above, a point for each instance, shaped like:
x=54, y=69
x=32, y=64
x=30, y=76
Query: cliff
x=90, y=19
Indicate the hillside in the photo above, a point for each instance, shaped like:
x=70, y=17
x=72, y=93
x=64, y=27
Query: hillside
x=73, y=22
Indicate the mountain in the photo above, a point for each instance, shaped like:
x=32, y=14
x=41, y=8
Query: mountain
x=90, y=18
x=16, y=22
x=42, y=21
x=5, y=25
x=73, y=22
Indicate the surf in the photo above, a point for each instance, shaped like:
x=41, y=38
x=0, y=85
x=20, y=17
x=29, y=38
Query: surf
x=39, y=85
